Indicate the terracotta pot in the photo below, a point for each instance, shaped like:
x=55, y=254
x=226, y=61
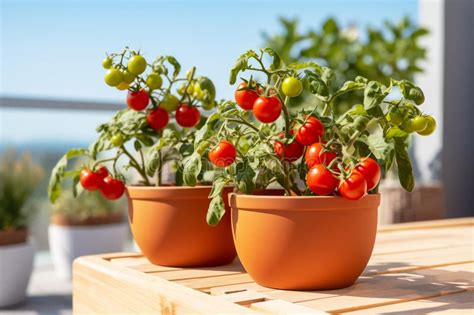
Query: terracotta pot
x=169, y=225
x=304, y=243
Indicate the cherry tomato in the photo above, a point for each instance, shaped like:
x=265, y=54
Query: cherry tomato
x=407, y=125
x=102, y=172
x=311, y=132
x=395, y=117
x=267, y=109
x=154, y=81
x=157, y=118
x=169, y=103
x=122, y=86
x=245, y=98
x=430, y=126
x=354, y=187
x=320, y=180
x=138, y=100
x=370, y=169
x=290, y=152
x=90, y=180
x=136, y=64
x=419, y=123
x=128, y=77
x=112, y=188
x=187, y=116
x=113, y=77
x=314, y=156
x=107, y=63
x=292, y=87
x=223, y=154
x=117, y=140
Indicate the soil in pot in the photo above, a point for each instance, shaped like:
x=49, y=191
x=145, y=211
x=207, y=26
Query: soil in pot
x=13, y=236
x=304, y=243
x=169, y=225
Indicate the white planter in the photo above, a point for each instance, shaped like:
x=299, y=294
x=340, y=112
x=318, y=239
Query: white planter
x=16, y=264
x=66, y=243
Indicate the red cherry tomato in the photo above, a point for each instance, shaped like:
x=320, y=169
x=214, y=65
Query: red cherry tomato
x=187, y=116
x=267, y=109
x=310, y=132
x=245, y=98
x=370, y=169
x=112, y=188
x=354, y=187
x=90, y=180
x=157, y=118
x=321, y=181
x=314, y=156
x=102, y=172
x=290, y=152
x=223, y=154
x=138, y=100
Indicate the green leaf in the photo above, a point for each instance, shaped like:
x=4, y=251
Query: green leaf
x=177, y=67
x=192, y=168
x=218, y=186
x=216, y=210
x=276, y=58
x=153, y=161
x=328, y=76
x=316, y=85
x=59, y=173
x=377, y=144
x=241, y=65
x=304, y=65
x=405, y=170
x=373, y=95
x=245, y=177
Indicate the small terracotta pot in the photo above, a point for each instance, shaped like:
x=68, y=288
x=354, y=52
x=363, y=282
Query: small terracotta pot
x=169, y=225
x=304, y=243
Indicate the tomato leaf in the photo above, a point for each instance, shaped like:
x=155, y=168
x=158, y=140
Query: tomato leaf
x=405, y=170
x=245, y=176
x=276, y=58
x=216, y=209
x=304, y=65
x=59, y=173
x=191, y=168
x=316, y=84
x=241, y=65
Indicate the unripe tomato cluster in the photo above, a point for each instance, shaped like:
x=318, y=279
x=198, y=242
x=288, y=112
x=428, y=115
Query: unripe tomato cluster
x=111, y=188
x=410, y=121
x=141, y=90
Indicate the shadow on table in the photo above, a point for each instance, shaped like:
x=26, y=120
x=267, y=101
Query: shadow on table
x=42, y=304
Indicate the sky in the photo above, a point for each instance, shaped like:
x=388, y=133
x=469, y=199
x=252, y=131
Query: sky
x=53, y=49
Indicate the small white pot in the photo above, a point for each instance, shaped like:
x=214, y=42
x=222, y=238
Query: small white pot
x=67, y=242
x=16, y=264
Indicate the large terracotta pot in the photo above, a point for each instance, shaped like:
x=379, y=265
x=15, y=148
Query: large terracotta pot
x=169, y=226
x=304, y=243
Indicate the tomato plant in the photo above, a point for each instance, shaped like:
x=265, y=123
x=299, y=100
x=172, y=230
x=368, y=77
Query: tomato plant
x=153, y=132
x=313, y=151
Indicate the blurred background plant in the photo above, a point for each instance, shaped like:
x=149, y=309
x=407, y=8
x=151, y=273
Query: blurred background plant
x=86, y=206
x=393, y=51
x=19, y=178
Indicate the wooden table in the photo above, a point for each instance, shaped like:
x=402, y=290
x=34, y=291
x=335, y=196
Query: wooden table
x=415, y=268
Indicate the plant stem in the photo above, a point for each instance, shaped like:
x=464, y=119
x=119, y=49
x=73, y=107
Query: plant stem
x=136, y=165
x=286, y=116
x=159, y=170
x=245, y=122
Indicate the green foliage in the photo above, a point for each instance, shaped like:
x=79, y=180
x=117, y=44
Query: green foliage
x=393, y=51
x=19, y=177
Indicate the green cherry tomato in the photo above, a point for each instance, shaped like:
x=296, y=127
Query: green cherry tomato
x=190, y=88
x=107, y=63
x=136, y=64
x=292, y=87
x=128, y=77
x=419, y=123
x=122, y=86
x=113, y=77
x=430, y=126
x=170, y=103
x=181, y=89
x=208, y=105
x=154, y=81
x=117, y=140
x=395, y=117
x=407, y=125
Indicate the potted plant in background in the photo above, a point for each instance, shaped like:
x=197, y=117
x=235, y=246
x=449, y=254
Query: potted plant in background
x=86, y=225
x=319, y=233
x=167, y=219
x=19, y=177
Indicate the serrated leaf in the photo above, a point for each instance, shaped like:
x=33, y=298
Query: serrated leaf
x=241, y=65
x=304, y=65
x=192, y=167
x=216, y=210
x=245, y=177
x=276, y=58
x=405, y=169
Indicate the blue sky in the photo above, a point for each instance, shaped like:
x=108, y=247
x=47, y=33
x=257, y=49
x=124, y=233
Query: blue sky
x=54, y=48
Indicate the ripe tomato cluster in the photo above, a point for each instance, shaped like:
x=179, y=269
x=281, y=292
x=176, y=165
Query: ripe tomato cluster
x=111, y=188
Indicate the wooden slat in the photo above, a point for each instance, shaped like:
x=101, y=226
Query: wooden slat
x=104, y=287
x=212, y=282
x=130, y=261
x=391, y=289
x=246, y=297
x=435, y=224
x=283, y=307
x=459, y=303
x=197, y=273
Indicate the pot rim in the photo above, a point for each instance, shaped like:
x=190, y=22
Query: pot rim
x=300, y=203
x=169, y=192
